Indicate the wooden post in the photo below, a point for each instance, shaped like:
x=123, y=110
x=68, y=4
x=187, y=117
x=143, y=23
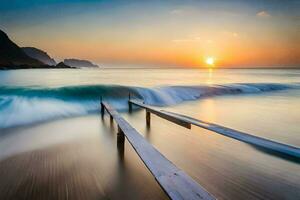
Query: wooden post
x=102, y=109
x=120, y=137
x=121, y=147
x=162, y=114
x=129, y=103
x=148, y=118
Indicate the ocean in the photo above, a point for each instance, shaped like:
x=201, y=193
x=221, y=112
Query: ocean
x=58, y=110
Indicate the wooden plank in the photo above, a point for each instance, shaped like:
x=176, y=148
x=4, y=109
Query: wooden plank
x=241, y=136
x=163, y=115
x=175, y=182
x=238, y=135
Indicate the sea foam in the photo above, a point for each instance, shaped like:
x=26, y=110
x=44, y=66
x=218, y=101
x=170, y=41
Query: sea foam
x=26, y=105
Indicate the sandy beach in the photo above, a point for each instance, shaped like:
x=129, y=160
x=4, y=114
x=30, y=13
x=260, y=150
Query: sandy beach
x=73, y=162
x=78, y=158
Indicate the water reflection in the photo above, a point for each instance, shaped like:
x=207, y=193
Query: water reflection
x=227, y=168
x=208, y=110
x=210, y=77
x=144, y=77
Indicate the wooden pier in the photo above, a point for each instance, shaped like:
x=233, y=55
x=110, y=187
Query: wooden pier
x=149, y=109
x=187, y=121
x=175, y=182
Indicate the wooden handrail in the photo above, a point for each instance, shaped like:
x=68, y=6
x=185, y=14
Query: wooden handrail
x=285, y=149
x=175, y=182
x=161, y=114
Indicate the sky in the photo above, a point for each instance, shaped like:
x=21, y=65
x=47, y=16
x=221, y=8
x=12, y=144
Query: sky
x=235, y=33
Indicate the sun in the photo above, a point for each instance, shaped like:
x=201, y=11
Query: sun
x=210, y=61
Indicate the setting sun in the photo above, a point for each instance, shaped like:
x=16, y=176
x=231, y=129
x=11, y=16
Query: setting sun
x=210, y=61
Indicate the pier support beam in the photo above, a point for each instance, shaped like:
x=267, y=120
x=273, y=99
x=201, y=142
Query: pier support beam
x=129, y=104
x=120, y=137
x=162, y=114
x=102, y=109
x=148, y=118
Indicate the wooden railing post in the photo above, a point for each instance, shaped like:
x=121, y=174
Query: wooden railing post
x=129, y=103
x=148, y=118
x=120, y=137
x=162, y=114
x=102, y=108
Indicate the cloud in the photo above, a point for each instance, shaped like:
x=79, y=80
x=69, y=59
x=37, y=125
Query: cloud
x=189, y=39
x=229, y=33
x=176, y=11
x=182, y=40
x=263, y=13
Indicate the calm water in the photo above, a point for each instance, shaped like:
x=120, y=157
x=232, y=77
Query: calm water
x=145, y=77
x=260, y=102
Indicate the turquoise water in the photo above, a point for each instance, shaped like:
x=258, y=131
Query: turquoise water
x=40, y=109
x=267, y=98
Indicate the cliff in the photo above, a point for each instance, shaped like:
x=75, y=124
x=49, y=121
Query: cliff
x=79, y=63
x=12, y=54
x=40, y=55
x=14, y=57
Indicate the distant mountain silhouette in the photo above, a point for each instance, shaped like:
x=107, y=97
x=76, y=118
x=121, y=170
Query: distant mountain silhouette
x=79, y=63
x=11, y=54
x=39, y=55
x=63, y=65
x=13, y=57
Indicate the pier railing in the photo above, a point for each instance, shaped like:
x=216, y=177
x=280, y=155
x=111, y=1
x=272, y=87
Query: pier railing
x=175, y=182
x=268, y=144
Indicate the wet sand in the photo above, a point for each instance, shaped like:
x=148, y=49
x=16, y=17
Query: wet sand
x=85, y=164
x=78, y=159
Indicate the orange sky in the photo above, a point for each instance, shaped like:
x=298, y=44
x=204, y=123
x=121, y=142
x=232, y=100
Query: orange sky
x=162, y=34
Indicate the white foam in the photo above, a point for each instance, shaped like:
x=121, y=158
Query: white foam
x=32, y=107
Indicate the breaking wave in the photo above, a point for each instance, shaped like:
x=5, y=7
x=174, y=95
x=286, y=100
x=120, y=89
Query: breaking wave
x=25, y=105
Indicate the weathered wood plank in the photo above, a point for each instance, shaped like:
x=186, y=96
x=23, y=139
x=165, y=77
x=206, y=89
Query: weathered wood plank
x=241, y=136
x=163, y=115
x=238, y=135
x=175, y=182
